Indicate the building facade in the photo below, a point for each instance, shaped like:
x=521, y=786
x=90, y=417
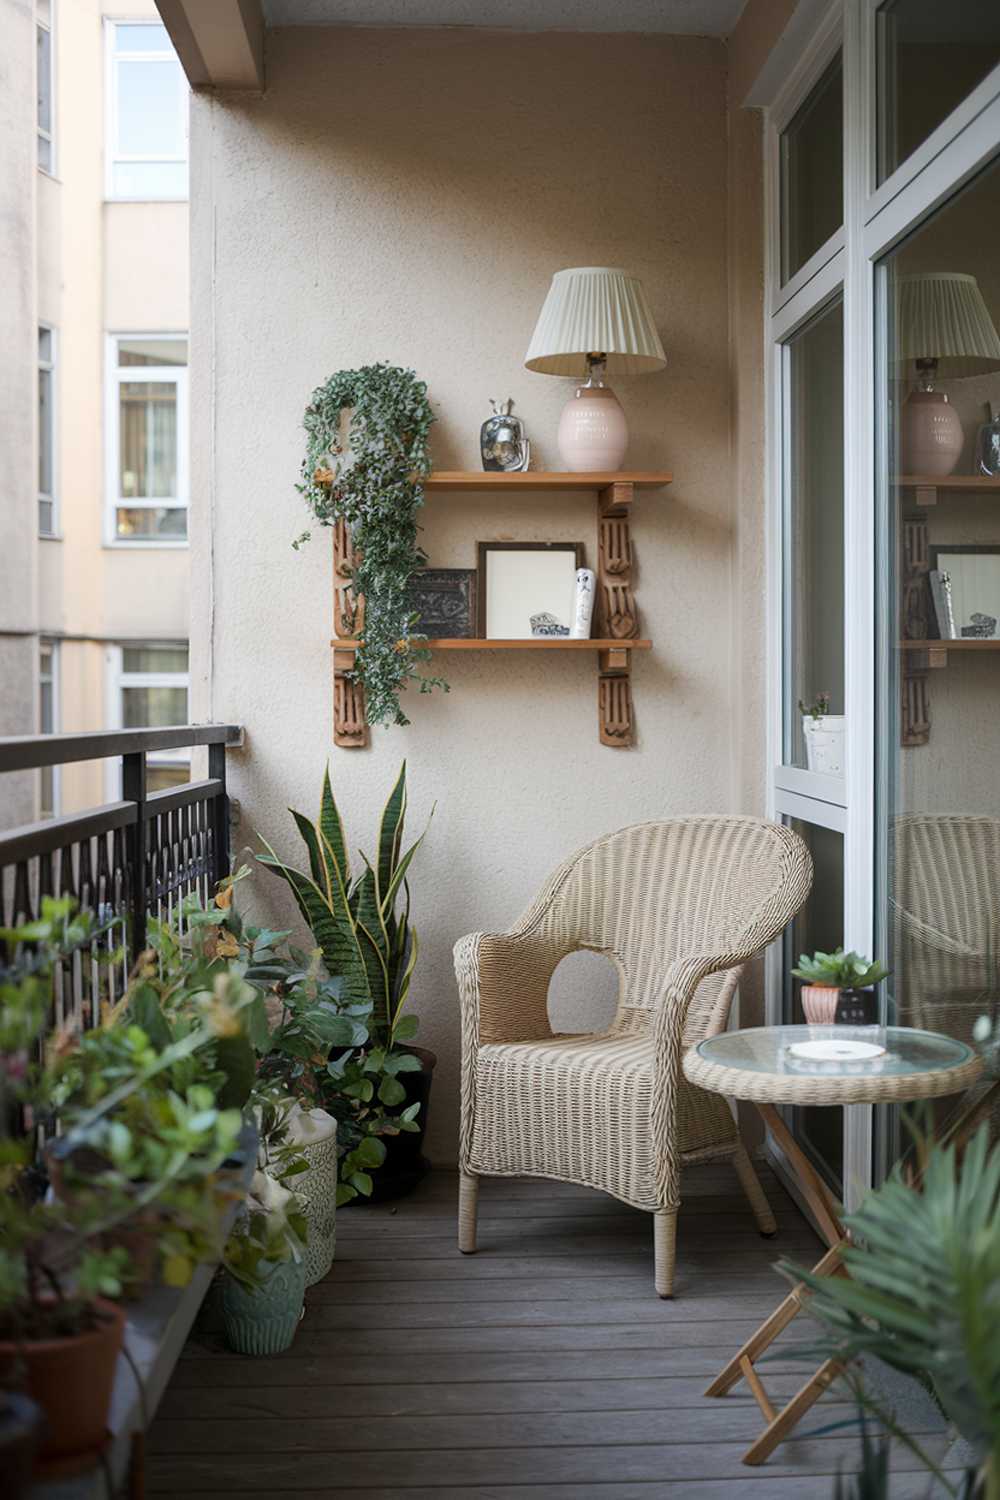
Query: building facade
x=94, y=616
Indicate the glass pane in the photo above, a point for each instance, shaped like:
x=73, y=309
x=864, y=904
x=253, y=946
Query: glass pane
x=930, y=56
x=149, y=179
x=153, y=707
x=154, y=658
x=46, y=517
x=160, y=352
x=150, y=121
x=138, y=38
x=44, y=78
x=819, y=926
x=45, y=345
x=812, y=172
x=161, y=778
x=151, y=524
x=938, y=730
x=45, y=153
x=45, y=433
x=814, y=546
x=148, y=439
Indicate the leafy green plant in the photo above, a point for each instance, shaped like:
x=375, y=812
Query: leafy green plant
x=271, y=1226
x=362, y=928
x=817, y=709
x=923, y=1292
x=377, y=491
x=141, y=1146
x=840, y=970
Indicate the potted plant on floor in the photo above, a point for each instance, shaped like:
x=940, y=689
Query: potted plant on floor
x=839, y=987
x=379, y=1085
x=63, y=1267
x=824, y=736
x=264, y=1280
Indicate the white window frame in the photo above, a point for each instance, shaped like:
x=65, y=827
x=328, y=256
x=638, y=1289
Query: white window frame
x=115, y=376
x=875, y=220
x=112, y=58
x=55, y=677
x=52, y=366
x=49, y=135
x=116, y=679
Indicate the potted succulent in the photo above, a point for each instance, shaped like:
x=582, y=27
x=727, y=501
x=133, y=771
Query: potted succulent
x=264, y=1281
x=377, y=1083
x=839, y=986
x=824, y=736
x=63, y=1264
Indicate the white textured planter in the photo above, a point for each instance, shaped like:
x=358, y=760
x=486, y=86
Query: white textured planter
x=314, y=1133
x=824, y=739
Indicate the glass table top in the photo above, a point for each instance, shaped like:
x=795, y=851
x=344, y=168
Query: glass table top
x=902, y=1051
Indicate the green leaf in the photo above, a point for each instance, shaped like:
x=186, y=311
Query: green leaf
x=362, y=1182
x=405, y=1030
x=332, y=928
x=390, y=835
x=390, y=1091
x=332, y=829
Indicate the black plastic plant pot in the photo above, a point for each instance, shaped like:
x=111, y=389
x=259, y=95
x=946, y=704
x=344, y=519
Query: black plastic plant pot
x=405, y=1163
x=857, y=1008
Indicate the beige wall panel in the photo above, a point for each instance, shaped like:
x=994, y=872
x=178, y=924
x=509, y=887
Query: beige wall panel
x=146, y=267
x=146, y=593
x=406, y=197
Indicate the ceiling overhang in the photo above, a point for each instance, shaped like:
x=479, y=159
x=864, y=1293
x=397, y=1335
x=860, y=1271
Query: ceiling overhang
x=220, y=43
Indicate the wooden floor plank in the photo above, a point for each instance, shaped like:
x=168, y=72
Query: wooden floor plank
x=543, y=1365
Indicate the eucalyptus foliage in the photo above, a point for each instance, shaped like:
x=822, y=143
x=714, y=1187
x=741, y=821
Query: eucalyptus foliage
x=376, y=488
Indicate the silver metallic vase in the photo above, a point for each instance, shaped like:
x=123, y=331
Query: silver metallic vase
x=503, y=443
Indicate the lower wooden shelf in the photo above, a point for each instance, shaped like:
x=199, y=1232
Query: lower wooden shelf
x=536, y=643
x=937, y=650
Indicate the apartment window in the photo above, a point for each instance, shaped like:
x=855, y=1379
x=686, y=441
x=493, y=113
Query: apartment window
x=44, y=82
x=147, y=440
x=150, y=690
x=46, y=431
x=812, y=171
x=48, y=700
x=147, y=152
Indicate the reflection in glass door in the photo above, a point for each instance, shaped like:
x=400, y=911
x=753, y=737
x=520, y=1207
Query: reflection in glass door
x=938, y=708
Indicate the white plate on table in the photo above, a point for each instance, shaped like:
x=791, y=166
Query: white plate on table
x=833, y=1050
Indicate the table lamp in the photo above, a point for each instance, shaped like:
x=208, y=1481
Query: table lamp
x=594, y=321
x=943, y=325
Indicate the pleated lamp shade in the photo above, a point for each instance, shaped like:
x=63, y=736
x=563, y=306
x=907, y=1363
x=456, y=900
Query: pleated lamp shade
x=595, y=310
x=942, y=315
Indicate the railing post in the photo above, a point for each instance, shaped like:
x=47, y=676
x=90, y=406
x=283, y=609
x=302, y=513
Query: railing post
x=219, y=814
x=134, y=790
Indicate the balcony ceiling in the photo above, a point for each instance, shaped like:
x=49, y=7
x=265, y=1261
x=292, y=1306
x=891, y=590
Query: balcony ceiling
x=677, y=17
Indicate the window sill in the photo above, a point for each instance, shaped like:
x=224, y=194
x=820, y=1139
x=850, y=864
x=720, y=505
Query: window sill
x=108, y=199
x=50, y=536
x=147, y=546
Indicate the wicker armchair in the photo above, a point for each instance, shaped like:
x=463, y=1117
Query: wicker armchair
x=679, y=907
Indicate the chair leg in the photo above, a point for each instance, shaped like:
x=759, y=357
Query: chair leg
x=468, y=1200
x=750, y=1183
x=664, y=1250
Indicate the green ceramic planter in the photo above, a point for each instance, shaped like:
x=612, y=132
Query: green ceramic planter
x=264, y=1321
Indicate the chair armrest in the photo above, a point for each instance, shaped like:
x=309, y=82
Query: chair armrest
x=503, y=983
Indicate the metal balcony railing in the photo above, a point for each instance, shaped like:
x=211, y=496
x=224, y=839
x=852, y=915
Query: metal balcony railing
x=125, y=861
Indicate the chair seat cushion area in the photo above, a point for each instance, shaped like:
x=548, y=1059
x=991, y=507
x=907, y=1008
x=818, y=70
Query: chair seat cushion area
x=578, y=1108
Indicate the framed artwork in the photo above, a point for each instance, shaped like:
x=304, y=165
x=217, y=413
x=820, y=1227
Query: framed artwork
x=445, y=601
x=527, y=589
x=971, y=579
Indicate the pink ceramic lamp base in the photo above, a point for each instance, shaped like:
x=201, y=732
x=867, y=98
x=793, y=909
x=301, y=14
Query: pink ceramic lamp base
x=593, y=433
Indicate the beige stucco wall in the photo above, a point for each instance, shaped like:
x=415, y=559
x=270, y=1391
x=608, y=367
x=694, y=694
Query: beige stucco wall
x=406, y=196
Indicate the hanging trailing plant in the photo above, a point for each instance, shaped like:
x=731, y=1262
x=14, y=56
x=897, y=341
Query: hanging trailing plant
x=373, y=481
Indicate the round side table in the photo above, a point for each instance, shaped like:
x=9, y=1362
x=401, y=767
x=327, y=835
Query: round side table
x=758, y=1065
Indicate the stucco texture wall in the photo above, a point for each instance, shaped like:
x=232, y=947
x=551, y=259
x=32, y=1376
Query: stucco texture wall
x=406, y=196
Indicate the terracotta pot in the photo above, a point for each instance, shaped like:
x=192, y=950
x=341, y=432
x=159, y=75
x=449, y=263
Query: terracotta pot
x=819, y=1003
x=71, y=1380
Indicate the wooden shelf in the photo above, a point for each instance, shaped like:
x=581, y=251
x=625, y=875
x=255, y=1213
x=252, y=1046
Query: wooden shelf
x=949, y=481
x=927, y=488
x=937, y=651
x=475, y=479
x=536, y=643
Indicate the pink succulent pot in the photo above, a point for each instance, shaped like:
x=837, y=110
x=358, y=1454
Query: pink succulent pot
x=819, y=1002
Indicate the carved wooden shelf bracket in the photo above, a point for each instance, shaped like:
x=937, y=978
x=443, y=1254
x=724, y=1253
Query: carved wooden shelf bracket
x=618, y=618
x=350, y=722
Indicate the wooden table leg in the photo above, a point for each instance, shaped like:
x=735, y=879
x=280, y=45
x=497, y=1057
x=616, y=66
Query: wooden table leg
x=741, y=1366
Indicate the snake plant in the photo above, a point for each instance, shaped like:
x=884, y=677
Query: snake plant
x=357, y=922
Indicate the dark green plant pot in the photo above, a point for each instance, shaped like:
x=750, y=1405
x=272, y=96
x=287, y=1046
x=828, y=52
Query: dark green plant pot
x=264, y=1321
x=856, y=1008
x=405, y=1163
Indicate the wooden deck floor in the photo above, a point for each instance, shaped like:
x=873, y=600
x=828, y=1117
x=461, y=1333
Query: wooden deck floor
x=542, y=1366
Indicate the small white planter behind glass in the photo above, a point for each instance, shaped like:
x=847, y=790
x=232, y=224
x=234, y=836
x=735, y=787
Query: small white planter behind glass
x=824, y=737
